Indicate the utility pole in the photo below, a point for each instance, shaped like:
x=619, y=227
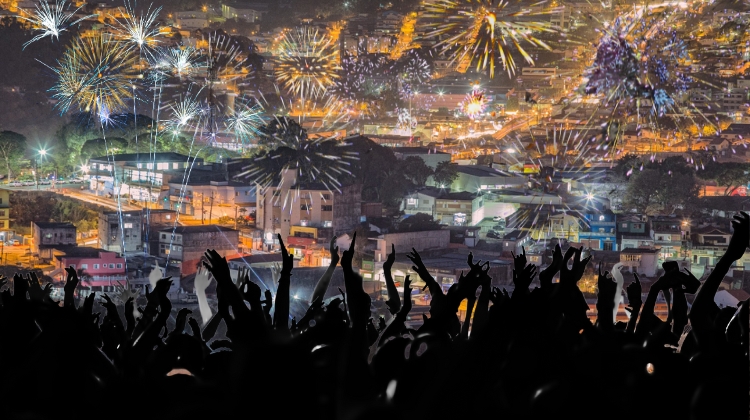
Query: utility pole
x=235, y=216
x=203, y=212
x=211, y=208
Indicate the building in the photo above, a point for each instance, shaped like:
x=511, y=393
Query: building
x=633, y=232
x=323, y=212
x=240, y=11
x=113, y=225
x=599, y=231
x=709, y=244
x=211, y=200
x=153, y=221
x=187, y=244
x=406, y=241
x=671, y=237
x=514, y=241
x=98, y=269
x=640, y=260
x=5, y=232
x=431, y=158
x=448, y=208
x=139, y=176
x=475, y=178
x=45, y=236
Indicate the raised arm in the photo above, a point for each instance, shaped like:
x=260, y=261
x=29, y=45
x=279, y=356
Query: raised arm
x=71, y=283
x=320, y=288
x=393, y=302
x=281, y=315
x=703, y=304
x=605, y=301
x=635, y=300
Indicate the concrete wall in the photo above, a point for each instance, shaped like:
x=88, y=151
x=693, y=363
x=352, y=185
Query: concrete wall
x=405, y=241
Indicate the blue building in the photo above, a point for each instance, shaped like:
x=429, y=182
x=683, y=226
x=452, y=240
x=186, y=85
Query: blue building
x=599, y=231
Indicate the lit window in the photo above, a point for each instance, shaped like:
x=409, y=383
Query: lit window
x=169, y=217
x=327, y=223
x=84, y=266
x=411, y=201
x=601, y=218
x=128, y=225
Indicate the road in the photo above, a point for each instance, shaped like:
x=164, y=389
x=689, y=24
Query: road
x=109, y=203
x=520, y=123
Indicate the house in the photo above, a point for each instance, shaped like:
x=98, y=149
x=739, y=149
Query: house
x=736, y=132
x=406, y=241
x=113, y=225
x=187, y=244
x=640, y=260
x=45, y=236
x=719, y=145
x=514, y=241
x=730, y=298
x=323, y=212
x=632, y=232
x=5, y=232
x=97, y=269
x=599, y=233
x=563, y=226
x=671, y=236
x=211, y=199
x=445, y=207
x=474, y=178
x=709, y=244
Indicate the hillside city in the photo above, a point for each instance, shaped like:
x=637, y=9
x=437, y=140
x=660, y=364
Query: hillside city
x=536, y=163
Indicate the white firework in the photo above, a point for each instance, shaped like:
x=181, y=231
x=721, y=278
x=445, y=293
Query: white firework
x=245, y=120
x=140, y=30
x=51, y=20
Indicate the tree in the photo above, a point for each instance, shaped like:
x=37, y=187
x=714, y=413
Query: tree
x=445, y=174
x=12, y=148
x=730, y=175
x=652, y=191
x=416, y=171
x=280, y=130
x=418, y=223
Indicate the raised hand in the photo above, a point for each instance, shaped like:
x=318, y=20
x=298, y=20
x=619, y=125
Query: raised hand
x=334, y=250
x=522, y=278
x=546, y=276
x=739, y=242
x=35, y=289
x=634, y=292
x=202, y=280
x=416, y=259
x=519, y=261
x=605, y=298
x=287, y=260
x=393, y=303
x=348, y=256
x=217, y=265
x=570, y=276
x=71, y=281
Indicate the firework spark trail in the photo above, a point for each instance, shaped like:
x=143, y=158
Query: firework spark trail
x=484, y=32
x=51, y=20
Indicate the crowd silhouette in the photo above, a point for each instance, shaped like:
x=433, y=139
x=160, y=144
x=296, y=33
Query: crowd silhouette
x=532, y=354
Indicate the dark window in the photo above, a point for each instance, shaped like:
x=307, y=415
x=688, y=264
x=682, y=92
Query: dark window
x=327, y=208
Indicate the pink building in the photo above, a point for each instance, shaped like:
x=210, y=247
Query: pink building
x=99, y=269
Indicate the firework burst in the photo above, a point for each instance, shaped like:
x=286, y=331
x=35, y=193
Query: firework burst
x=482, y=33
x=181, y=62
x=185, y=111
x=475, y=103
x=51, y=20
x=306, y=62
x=245, y=120
x=137, y=30
x=96, y=75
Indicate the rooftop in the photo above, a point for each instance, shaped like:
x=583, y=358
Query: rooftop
x=73, y=251
x=639, y=251
x=147, y=157
x=54, y=225
x=443, y=194
x=419, y=151
x=198, y=229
